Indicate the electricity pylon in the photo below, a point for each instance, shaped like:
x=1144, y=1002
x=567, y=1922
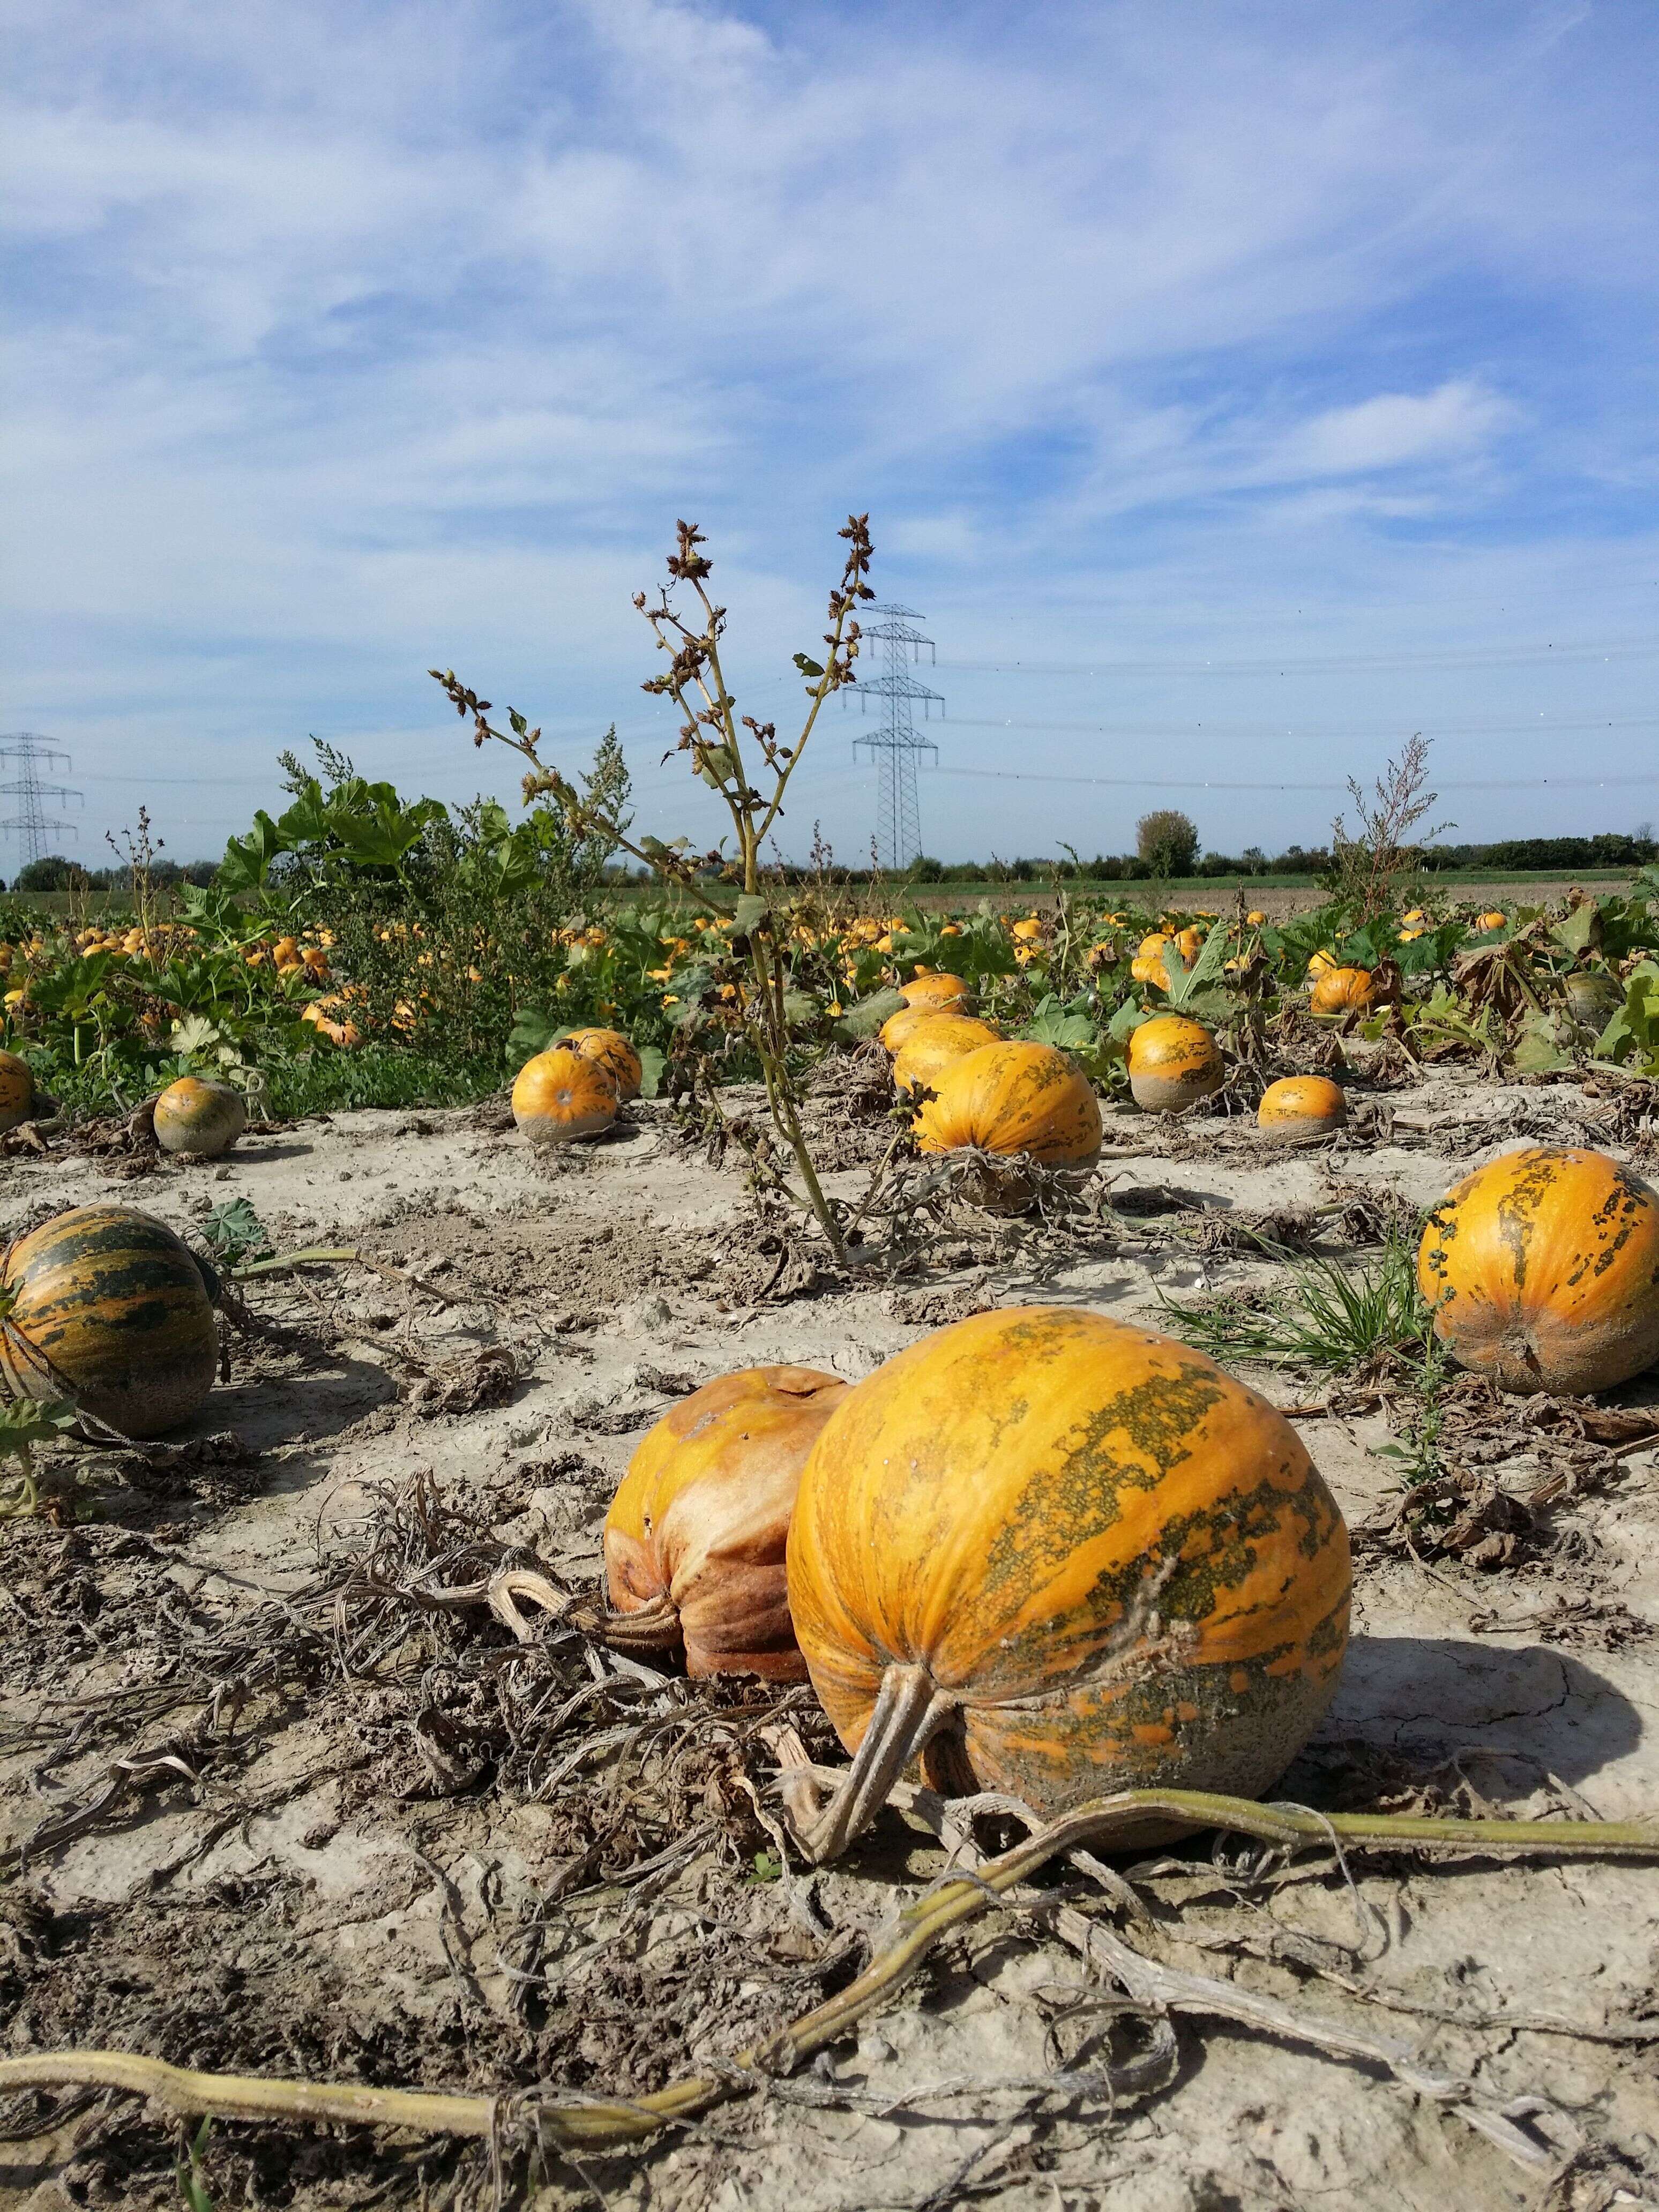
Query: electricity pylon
x=896, y=744
x=32, y=826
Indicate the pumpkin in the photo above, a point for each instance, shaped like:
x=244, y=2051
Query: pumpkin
x=1060, y=1556
x=560, y=1094
x=1152, y=948
x=1190, y=943
x=1298, y=1105
x=1256, y=918
x=934, y=1045
x=1016, y=1100
x=898, y=1029
x=16, y=1090
x=694, y=1542
x=1148, y=967
x=110, y=1311
x=1173, y=1063
x=613, y=1051
x=939, y=993
x=1492, y=919
x=1592, y=998
x=1341, y=991
x=1542, y=1268
x=1321, y=964
x=199, y=1120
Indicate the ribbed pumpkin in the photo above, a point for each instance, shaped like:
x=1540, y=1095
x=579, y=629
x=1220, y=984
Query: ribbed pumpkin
x=937, y=1044
x=1492, y=919
x=939, y=992
x=1297, y=1105
x=898, y=1029
x=1173, y=1063
x=1149, y=968
x=694, y=1542
x=16, y=1090
x=110, y=1311
x=1061, y=1556
x=613, y=1051
x=1013, y=1098
x=1543, y=1271
x=1341, y=991
x=199, y=1120
x=560, y=1094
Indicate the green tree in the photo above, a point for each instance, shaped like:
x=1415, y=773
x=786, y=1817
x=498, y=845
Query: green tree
x=1167, y=840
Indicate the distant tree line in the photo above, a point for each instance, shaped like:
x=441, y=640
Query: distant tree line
x=55, y=873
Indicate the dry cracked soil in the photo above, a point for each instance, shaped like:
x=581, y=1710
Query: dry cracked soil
x=350, y=1833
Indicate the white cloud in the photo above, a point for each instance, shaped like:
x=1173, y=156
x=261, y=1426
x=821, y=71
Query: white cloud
x=348, y=335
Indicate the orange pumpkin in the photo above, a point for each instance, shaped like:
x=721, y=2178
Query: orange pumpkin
x=1061, y=1556
x=613, y=1053
x=940, y=993
x=1298, y=1105
x=1173, y=1063
x=1190, y=943
x=937, y=1044
x=694, y=1542
x=560, y=1094
x=1342, y=991
x=1492, y=919
x=1149, y=968
x=1256, y=918
x=16, y=1090
x=199, y=1120
x=1321, y=964
x=1543, y=1271
x=898, y=1029
x=1013, y=1098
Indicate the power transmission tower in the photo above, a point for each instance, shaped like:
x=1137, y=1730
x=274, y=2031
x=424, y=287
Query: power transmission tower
x=31, y=825
x=896, y=744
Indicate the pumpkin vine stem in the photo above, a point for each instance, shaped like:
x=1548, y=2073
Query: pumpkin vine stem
x=909, y=1710
x=1104, y=1823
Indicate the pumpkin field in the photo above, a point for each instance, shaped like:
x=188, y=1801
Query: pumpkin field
x=705, y=1537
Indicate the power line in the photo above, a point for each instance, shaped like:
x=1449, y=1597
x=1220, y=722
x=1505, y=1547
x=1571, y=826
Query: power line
x=896, y=744
x=31, y=822
x=1336, y=663
x=1323, y=731
x=1169, y=783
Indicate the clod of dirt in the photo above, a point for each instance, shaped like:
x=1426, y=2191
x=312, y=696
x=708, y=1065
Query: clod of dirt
x=487, y=1377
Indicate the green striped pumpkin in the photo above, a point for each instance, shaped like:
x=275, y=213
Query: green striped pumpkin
x=109, y=1308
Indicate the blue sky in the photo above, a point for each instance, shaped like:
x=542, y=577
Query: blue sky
x=1266, y=382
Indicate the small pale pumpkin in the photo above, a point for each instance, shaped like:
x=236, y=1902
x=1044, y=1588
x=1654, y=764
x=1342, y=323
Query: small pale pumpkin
x=935, y=1045
x=1061, y=1556
x=614, y=1053
x=1321, y=964
x=1342, y=991
x=560, y=1094
x=1173, y=1063
x=941, y=993
x=112, y=1311
x=1543, y=1271
x=1014, y=1099
x=16, y=1090
x=694, y=1542
x=199, y=1121
x=1300, y=1105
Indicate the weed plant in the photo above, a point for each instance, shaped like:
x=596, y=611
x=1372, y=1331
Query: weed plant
x=1323, y=1317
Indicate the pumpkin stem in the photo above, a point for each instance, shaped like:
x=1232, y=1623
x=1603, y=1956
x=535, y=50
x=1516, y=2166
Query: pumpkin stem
x=908, y=1710
x=654, y=1626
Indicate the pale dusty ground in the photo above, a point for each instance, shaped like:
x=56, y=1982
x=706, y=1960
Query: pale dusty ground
x=1249, y=2122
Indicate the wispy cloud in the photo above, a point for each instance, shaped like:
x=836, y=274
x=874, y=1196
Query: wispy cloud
x=348, y=336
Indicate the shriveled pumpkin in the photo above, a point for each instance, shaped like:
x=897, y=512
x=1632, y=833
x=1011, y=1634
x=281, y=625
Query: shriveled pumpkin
x=110, y=1310
x=1302, y=1105
x=937, y=1044
x=1016, y=1100
x=1058, y=1556
x=16, y=1090
x=199, y=1121
x=1543, y=1271
x=614, y=1053
x=939, y=992
x=1342, y=991
x=560, y=1094
x=694, y=1542
x=1173, y=1063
